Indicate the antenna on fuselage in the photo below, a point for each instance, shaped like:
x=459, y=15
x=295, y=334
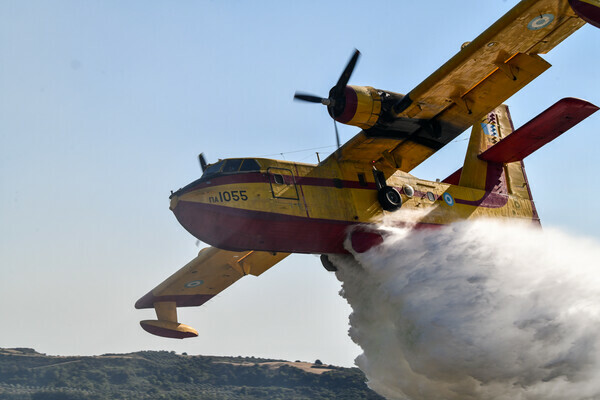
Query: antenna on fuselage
x=337, y=139
x=202, y=161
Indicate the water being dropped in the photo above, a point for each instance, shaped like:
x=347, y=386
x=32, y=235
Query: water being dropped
x=477, y=310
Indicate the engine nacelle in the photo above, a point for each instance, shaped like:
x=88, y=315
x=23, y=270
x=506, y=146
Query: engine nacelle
x=364, y=106
x=361, y=108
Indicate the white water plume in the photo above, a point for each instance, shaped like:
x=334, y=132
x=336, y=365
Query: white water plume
x=477, y=310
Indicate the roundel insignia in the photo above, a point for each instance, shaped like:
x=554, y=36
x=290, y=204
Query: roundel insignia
x=193, y=284
x=540, y=22
x=448, y=199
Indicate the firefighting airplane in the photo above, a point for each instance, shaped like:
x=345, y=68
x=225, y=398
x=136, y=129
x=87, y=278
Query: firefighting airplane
x=279, y=207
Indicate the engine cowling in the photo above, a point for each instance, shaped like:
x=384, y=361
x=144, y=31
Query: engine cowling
x=362, y=107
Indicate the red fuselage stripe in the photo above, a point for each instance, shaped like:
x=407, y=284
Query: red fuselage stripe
x=488, y=200
x=259, y=177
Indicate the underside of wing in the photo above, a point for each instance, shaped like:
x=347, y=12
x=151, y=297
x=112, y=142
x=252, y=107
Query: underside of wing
x=481, y=76
x=197, y=282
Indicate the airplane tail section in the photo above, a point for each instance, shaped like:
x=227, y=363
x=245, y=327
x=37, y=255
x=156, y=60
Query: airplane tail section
x=494, y=159
x=481, y=174
x=544, y=128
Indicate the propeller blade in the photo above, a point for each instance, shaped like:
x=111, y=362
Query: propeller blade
x=308, y=97
x=336, y=100
x=338, y=89
x=202, y=161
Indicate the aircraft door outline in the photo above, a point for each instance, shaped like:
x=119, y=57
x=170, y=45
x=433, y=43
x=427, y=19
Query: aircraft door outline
x=283, y=183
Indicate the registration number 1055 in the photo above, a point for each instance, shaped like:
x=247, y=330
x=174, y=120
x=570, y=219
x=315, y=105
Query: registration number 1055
x=230, y=195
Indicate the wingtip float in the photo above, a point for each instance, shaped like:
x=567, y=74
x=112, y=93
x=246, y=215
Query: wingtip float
x=168, y=329
x=255, y=212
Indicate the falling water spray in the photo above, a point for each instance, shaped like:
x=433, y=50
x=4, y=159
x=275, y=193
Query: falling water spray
x=477, y=310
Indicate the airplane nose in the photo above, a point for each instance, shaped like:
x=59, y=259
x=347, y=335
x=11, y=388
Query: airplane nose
x=173, y=203
x=192, y=216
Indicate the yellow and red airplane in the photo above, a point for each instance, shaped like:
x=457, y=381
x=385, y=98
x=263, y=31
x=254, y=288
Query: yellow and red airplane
x=255, y=211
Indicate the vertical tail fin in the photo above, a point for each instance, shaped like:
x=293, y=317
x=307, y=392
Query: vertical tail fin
x=494, y=160
x=503, y=178
x=492, y=176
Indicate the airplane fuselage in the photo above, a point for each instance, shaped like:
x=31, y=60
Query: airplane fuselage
x=292, y=207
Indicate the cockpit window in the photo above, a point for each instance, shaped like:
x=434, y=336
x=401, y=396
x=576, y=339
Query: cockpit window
x=250, y=165
x=213, y=169
x=232, y=165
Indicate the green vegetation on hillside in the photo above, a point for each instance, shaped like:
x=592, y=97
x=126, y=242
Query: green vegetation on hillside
x=25, y=374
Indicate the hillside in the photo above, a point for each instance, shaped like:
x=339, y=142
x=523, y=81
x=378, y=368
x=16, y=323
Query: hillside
x=26, y=374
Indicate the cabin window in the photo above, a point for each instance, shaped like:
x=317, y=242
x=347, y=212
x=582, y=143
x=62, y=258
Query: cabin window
x=408, y=190
x=430, y=196
x=250, y=165
x=338, y=183
x=232, y=165
x=361, y=179
x=278, y=179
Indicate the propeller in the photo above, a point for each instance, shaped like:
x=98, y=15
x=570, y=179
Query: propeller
x=311, y=98
x=202, y=160
x=336, y=100
x=337, y=95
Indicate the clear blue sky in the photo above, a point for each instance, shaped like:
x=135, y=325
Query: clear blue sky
x=104, y=106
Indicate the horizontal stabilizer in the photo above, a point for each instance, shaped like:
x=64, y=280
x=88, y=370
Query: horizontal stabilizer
x=547, y=126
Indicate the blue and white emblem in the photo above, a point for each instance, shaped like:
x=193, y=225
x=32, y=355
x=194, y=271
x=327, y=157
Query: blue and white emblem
x=448, y=199
x=490, y=129
x=193, y=284
x=540, y=22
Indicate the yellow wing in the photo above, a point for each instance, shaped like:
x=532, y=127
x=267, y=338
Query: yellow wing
x=197, y=282
x=482, y=75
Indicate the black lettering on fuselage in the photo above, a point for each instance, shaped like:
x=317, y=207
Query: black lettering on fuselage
x=228, y=196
